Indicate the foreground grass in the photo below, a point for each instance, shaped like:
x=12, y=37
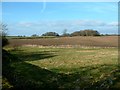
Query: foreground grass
x=65, y=67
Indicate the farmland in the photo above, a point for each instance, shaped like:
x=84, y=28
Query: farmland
x=66, y=62
x=68, y=45
x=98, y=41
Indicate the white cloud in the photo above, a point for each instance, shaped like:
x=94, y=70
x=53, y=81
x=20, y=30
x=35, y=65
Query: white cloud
x=113, y=24
x=25, y=24
x=89, y=23
x=69, y=23
x=40, y=27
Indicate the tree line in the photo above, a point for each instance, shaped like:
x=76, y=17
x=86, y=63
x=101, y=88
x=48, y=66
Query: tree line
x=87, y=32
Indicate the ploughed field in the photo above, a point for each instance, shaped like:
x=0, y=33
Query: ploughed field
x=71, y=66
x=99, y=41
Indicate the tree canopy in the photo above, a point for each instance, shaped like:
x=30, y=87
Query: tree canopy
x=34, y=35
x=85, y=33
x=50, y=34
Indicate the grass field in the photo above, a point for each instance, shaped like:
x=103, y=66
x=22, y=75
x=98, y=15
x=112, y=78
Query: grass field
x=85, y=67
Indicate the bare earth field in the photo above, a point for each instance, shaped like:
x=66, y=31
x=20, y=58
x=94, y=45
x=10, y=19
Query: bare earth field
x=101, y=41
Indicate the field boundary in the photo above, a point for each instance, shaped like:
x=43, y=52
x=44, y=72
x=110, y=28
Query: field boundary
x=63, y=46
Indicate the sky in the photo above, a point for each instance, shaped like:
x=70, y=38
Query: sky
x=28, y=18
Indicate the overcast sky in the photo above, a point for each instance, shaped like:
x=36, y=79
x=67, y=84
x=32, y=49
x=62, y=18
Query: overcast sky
x=27, y=18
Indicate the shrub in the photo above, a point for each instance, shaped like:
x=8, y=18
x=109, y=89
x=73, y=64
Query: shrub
x=3, y=34
x=50, y=34
x=4, y=41
x=86, y=33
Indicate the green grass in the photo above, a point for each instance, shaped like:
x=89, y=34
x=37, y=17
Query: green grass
x=65, y=67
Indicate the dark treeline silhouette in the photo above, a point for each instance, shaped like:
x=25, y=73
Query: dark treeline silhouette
x=50, y=34
x=87, y=32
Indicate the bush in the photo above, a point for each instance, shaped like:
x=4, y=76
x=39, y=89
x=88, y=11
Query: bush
x=4, y=41
x=3, y=34
x=86, y=33
x=50, y=34
x=5, y=84
x=34, y=35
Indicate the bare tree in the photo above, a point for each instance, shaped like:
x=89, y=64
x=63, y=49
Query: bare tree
x=3, y=33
